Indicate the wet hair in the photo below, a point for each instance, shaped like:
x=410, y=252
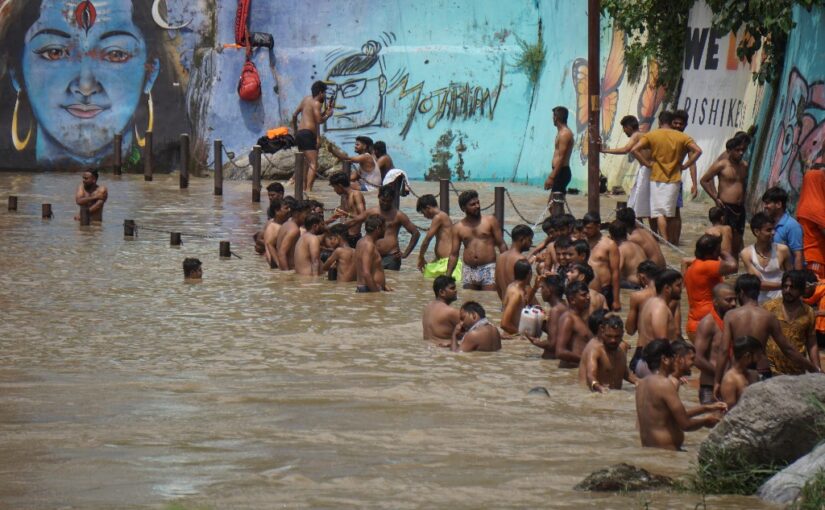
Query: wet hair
x=474, y=307
x=561, y=113
x=366, y=140
x=387, y=191
x=577, y=225
x=425, y=201
x=612, y=321
x=707, y=246
x=380, y=148
x=617, y=231
x=665, y=278
x=190, y=265
x=339, y=179
x=630, y=121
x=585, y=270
x=275, y=187
x=738, y=140
x=759, y=220
x=465, y=197
x=582, y=248
x=290, y=202
x=681, y=348
x=520, y=232
x=556, y=284
x=563, y=243
x=357, y=63
x=373, y=223
x=318, y=87
x=796, y=277
x=655, y=351
x=94, y=173
x=576, y=288
x=748, y=285
x=300, y=206
x=681, y=115
x=716, y=215
x=627, y=216
x=442, y=282
x=591, y=217
x=665, y=117
x=313, y=219
x=595, y=320
x=339, y=230
x=549, y=224
x=746, y=345
x=521, y=269
x=274, y=206
x=776, y=194
x=649, y=269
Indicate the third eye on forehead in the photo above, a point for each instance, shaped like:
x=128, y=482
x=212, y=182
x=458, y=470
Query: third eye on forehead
x=60, y=20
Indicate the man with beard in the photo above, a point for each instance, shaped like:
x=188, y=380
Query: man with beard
x=480, y=236
x=708, y=341
x=288, y=236
x=522, y=240
x=733, y=180
x=440, y=319
x=604, y=365
x=394, y=219
x=352, y=205
x=90, y=194
x=366, y=175
x=656, y=318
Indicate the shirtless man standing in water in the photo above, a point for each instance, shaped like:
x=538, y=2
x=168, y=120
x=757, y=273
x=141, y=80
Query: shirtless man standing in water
x=604, y=259
x=278, y=213
x=656, y=318
x=560, y=173
x=604, y=364
x=394, y=219
x=91, y=195
x=308, y=248
x=480, y=236
x=352, y=204
x=288, y=235
x=708, y=342
x=440, y=319
x=441, y=227
x=307, y=136
x=368, y=270
x=573, y=332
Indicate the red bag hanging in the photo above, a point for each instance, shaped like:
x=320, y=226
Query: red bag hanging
x=249, y=86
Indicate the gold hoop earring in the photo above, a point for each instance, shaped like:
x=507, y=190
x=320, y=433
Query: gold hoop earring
x=142, y=141
x=15, y=139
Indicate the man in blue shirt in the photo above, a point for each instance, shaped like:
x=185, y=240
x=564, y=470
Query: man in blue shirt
x=788, y=231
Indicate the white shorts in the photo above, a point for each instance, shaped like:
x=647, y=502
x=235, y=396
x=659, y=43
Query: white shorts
x=639, y=199
x=663, y=198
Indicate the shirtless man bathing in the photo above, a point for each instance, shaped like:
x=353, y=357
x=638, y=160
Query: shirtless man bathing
x=604, y=364
x=340, y=266
x=368, y=270
x=480, y=236
x=307, y=136
x=656, y=318
x=605, y=261
x=307, y=258
x=352, y=204
x=440, y=319
x=441, y=228
x=394, y=219
x=474, y=330
x=91, y=195
x=560, y=174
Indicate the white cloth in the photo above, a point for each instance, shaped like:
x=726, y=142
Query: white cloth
x=370, y=180
x=663, y=198
x=639, y=199
x=768, y=273
x=393, y=175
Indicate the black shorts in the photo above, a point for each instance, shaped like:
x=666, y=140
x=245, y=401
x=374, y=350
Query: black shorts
x=607, y=292
x=562, y=180
x=637, y=356
x=735, y=216
x=305, y=140
x=391, y=262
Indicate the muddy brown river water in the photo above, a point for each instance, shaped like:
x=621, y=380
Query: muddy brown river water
x=122, y=387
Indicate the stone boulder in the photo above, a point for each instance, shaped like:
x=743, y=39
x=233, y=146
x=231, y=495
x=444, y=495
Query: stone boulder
x=281, y=165
x=775, y=423
x=622, y=478
x=785, y=486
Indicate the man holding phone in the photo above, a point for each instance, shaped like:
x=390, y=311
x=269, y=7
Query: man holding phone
x=307, y=136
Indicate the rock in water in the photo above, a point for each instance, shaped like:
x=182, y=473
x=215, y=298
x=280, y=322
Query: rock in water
x=540, y=391
x=784, y=486
x=623, y=477
x=773, y=423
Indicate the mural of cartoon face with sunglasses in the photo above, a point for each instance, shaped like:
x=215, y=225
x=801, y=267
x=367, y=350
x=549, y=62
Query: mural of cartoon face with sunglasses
x=358, y=85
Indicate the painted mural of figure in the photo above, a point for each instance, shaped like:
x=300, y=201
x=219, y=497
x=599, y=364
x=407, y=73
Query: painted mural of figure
x=358, y=85
x=80, y=71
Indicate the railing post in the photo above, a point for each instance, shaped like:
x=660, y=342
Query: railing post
x=12, y=203
x=218, y=149
x=444, y=195
x=174, y=239
x=225, y=250
x=46, y=211
x=557, y=203
x=499, y=207
x=129, y=228
x=117, y=166
x=300, y=163
x=147, y=158
x=255, y=159
x=184, y=161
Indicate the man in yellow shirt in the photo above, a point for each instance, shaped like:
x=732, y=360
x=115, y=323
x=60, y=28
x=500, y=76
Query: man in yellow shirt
x=666, y=160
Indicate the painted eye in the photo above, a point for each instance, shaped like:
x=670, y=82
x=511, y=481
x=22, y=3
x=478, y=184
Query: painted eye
x=53, y=53
x=117, y=56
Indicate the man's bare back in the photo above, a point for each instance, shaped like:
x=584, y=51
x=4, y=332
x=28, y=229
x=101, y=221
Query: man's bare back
x=504, y=269
x=655, y=321
x=648, y=243
x=270, y=237
x=343, y=259
x=630, y=256
x=288, y=236
x=725, y=232
x=439, y=320
x=369, y=273
x=307, y=257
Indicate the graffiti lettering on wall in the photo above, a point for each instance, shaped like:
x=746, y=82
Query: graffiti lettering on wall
x=802, y=133
x=78, y=76
x=728, y=112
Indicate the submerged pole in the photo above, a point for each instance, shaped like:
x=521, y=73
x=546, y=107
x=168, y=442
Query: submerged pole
x=129, y=228
x=218, y=150
x=184, y=161
x=174, y=239
x=256, y=173
x=557, y=203
x=498, y=210
x=225, y=251
x=12, y=203
x=46, y=211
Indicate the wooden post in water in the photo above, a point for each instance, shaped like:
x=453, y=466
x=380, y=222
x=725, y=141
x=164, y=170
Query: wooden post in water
x=12, y=203
x=225, y=250
x=218, y=150
x=184, y=161
x=444, y=195
x=147, y=158
x=117, y=164
x=174, y=239
x=557, y=204
x=129, y=228
x=46, y=211
x=255, y=159
x=85, y=216
x=300, y=163
x=499, y=207
x=594, y=88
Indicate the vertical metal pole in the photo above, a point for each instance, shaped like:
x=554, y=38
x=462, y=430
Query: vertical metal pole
x=46, y=211
x=218, y=148
x=594, y=92
x=300, y=163
x=184, y=161
x=174, y=239
x=85, y=217
x=557, y=204
x=255, y=159
x=147, y=158
x=444, y=195
x=12, y=203
x=117, y=166
x=129, y=228
x=499, y=207
x=225, y=250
